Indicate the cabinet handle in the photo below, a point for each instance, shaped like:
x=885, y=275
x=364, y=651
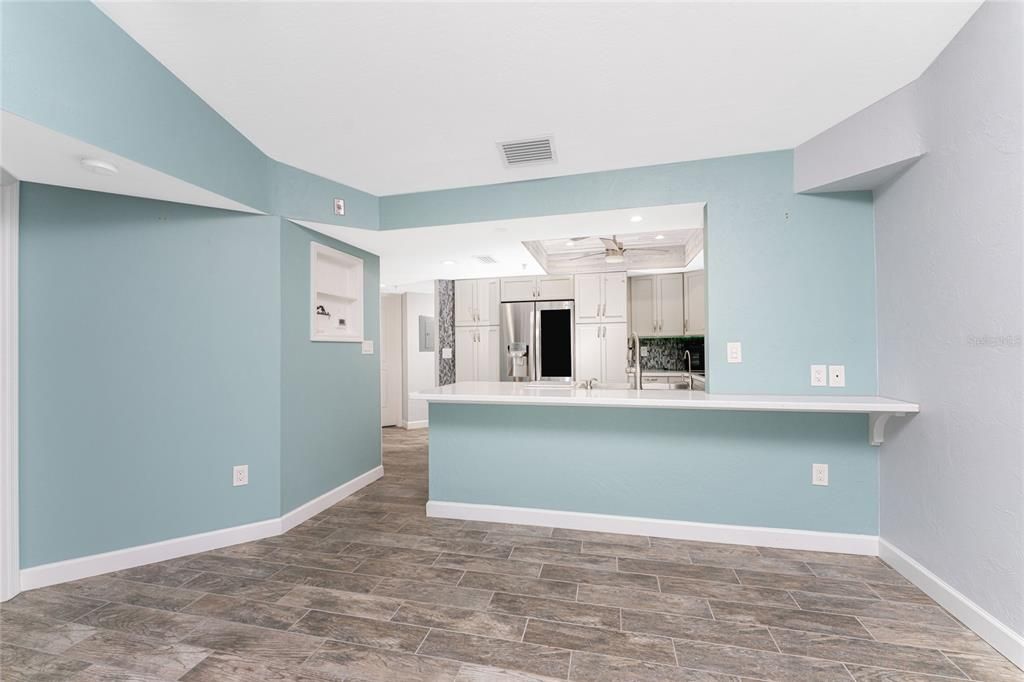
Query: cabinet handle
x=598, y=313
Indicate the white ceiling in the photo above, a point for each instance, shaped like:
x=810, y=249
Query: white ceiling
x=418, y=254
x=394, y=98
x=33, y=153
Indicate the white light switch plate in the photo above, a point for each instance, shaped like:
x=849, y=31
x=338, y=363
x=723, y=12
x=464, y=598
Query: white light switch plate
x=240, y=475
x=819, y=474
x=819, y=375
x=837, y=376
x=734, y=351
x=367, y=347
x=446, y=353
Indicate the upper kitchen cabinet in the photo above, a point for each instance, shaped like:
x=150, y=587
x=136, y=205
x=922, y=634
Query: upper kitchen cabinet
x=543, y=288
x=601, y=298
x=657, y=305
x=695, y=322
x=476, y=302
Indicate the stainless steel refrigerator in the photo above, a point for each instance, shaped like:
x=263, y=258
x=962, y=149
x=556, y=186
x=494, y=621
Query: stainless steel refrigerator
x=537, y=341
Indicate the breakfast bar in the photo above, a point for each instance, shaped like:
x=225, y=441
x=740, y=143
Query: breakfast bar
x=688, y=464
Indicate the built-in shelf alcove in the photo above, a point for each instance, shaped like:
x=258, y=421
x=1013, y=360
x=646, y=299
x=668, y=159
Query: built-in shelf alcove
x=336, y=295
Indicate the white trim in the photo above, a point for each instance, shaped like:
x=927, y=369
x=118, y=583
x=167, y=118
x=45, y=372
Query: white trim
x=785, y=538
x=329, y=499
x=415, y=424
x=9, y=558
x=984, y=624
x=96, y=564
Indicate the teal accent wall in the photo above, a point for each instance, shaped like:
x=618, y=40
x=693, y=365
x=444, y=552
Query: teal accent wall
x=751, y=469
x=791, y=276
x=150, y=342
x=330, y=392
x=160, y=345
x=68, y=67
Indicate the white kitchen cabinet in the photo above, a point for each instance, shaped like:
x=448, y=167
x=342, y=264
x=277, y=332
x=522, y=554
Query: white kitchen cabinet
x=696, y=309
x=544, y=288
x=476, y=302
x=656, y=305
x=476, y=353
x=601, y=352
x=600, y=297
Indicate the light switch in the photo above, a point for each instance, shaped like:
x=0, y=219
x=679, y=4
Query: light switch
x=367, y=347
x=837, y=376
x=734, y=351
x=819, y=375
x=446, y=353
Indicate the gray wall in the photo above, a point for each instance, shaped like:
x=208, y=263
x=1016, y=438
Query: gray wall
x=948, y=234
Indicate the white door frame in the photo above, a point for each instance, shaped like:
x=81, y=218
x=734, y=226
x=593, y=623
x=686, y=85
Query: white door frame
x=10, y=583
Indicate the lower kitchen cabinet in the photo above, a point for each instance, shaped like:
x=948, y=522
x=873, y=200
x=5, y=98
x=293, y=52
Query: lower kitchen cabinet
x=476, y=353
x=601, y=352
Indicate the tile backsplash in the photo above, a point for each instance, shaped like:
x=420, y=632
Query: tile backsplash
x=667, y=353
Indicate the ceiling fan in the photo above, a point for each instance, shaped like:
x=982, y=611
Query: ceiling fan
x=614, y=251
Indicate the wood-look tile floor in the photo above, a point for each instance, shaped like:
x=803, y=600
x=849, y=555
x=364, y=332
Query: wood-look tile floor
x=371, y=589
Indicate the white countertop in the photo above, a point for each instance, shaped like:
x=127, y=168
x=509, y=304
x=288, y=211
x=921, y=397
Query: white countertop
x=510, y=393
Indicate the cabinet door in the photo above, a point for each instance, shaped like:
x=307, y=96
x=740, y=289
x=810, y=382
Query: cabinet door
x=588, y=351
x=588, y=298
x=488, y=301
x=616, y=350
x=465, y=302
x=487, y=354
x=465, y=353
x=642, y=295
x=519, y=289
x=696, y=313
x=555, y=288
x=613, y=286
x=671, y=315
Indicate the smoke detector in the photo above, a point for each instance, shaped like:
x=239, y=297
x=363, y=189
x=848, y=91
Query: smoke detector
x=527, y=152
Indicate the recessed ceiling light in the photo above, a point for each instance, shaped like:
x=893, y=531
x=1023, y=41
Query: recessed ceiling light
x=447, y=262
x=99, y=167
x=570, y=243
x=636, y=219
x=660, y=236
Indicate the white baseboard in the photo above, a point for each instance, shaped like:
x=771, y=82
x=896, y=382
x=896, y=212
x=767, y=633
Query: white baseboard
x=784, y=538
x=417, y=424
x=988, y=627
x=329, y=499
x=118, y=560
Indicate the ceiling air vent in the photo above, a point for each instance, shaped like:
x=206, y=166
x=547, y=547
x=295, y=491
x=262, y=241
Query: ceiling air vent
x=486, y=260
x=527, y=152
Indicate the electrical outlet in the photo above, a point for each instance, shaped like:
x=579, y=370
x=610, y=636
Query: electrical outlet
x=819, y=375
x=734, y=351
x=819, y=474
x=446, y=353
x=644, y=351
x=240, y=475
x=837, y=376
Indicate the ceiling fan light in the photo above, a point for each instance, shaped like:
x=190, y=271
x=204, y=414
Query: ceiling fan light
x=613, y=258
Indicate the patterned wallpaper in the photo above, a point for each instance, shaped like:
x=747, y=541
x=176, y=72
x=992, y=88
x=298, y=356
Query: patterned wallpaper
x=444, y=290
x=667, y=353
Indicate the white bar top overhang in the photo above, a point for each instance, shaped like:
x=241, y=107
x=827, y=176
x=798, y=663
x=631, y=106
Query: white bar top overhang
x=878, y=409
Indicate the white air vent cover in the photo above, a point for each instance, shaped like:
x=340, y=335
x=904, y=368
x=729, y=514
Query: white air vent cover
x=486, y=260
x=527, y=152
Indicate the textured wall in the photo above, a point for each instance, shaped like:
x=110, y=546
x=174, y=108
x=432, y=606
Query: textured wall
x=950, y=309
x=444, y=299
x=150, y=365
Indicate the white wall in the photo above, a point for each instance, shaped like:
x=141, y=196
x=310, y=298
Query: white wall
x=418, y=368
x=949, y=235
x=950, y=290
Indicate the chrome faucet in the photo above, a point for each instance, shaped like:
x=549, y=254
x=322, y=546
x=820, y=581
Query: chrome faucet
x=689, y=371
x=588, y=384
x=638, y=379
